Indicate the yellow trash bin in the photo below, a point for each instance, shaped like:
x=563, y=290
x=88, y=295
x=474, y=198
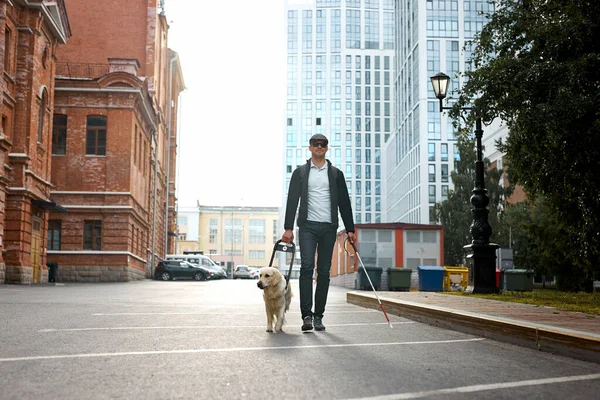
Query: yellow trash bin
x=455, y=275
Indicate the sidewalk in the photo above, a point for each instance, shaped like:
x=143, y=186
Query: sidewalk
x=567, y=333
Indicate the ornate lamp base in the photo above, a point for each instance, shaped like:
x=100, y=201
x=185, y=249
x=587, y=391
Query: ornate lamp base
x=481, y=261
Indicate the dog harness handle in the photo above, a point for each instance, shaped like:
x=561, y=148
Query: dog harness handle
x=286, y=248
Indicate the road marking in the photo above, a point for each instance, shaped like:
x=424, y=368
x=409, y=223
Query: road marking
x=123, y=328
x=230, y=350
x=481, y=388
x=221, y=313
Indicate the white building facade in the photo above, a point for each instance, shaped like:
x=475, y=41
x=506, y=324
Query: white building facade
x=419, y=157
x=340, y=83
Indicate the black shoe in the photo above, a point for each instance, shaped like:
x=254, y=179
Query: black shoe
x=319, y=324
x=307, y=324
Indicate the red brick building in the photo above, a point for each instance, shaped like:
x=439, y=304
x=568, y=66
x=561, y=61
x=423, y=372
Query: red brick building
x=31, y=31
x=114, y=142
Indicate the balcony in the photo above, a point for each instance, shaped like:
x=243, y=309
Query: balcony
x=81, y=70
x=74, y=70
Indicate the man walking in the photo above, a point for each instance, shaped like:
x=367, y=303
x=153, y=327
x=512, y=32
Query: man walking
x=321, y=189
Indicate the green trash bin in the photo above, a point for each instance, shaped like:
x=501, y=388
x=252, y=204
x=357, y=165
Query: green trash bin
x=399, y=278
x=374, y=274
x=52, y=268
x=519, y=280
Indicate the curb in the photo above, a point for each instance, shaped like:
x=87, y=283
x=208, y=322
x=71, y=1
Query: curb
x=565, y=342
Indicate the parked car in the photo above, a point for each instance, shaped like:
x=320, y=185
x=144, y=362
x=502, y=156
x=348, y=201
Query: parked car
x=255, y=273
x=202, y=261
x=245, y=272
x=218, y=272
x=171, y=269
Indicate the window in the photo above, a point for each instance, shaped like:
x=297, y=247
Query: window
x=444, y=152
x=233, y=231
x=257, y=231
x=413, y=237
x=42, y=115
x=431, y=152
x=445, y=173
x=5, y=127
x=54, y=231
x=213, y=232
x=59, y=135
x=7, y=50
x=92, y=235
x=95, y=143
x=431, y=194
x=429, y=236
x=431, y=172
x=256, y=254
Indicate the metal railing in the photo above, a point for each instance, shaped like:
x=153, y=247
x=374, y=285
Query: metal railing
x=81, y=70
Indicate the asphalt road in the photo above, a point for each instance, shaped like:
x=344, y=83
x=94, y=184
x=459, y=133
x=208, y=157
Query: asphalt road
x=207, y=340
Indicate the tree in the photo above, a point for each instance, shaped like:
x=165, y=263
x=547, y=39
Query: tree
x=537, y=66
x=455, y=214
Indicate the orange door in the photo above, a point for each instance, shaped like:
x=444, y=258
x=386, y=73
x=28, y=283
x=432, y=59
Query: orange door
x=36, y=238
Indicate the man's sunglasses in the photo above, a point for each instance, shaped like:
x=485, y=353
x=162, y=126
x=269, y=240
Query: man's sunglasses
x=319, y=144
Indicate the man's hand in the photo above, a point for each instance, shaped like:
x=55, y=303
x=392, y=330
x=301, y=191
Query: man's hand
x=351, y=237
x=288, y=236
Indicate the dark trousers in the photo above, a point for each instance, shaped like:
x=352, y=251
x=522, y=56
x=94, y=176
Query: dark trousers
x=313, y=236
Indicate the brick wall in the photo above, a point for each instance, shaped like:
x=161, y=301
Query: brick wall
x=29, y=38
x=107, y=28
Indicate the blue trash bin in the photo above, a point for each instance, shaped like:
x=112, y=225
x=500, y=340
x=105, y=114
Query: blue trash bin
x=431, y=279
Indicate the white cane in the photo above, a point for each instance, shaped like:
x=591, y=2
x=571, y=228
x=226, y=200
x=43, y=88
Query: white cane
x=369, y=278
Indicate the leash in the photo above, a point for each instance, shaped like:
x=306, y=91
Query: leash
x=286, y=248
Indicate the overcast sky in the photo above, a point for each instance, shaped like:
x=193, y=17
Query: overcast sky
x=234, y=65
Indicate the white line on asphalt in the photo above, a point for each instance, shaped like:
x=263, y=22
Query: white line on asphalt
x=481, y=388
x=230, y=350
x=123, y=328
x=222, y=313
x=233, y=305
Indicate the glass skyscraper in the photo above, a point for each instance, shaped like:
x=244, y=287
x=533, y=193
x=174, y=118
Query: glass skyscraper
x=339, y=83
x=430, y=37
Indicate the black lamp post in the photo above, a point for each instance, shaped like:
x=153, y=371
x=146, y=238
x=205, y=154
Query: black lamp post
x=481, y=254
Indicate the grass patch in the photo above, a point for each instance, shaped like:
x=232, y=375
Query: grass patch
x=588, y=303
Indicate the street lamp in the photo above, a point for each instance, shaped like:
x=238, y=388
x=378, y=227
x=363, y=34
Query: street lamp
x=481, y=254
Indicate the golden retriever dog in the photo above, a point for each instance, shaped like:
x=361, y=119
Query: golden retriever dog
x=277, y=297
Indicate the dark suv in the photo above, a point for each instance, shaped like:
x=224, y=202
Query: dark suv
x=167, y=270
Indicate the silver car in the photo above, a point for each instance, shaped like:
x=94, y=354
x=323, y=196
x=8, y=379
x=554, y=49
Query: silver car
x=245, y=272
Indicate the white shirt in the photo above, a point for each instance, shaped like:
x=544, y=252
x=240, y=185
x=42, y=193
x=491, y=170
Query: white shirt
x=319, y=198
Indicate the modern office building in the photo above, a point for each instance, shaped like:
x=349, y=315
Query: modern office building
x=339, y=83
x=419, y=157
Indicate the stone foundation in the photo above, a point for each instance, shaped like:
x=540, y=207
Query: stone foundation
x=19, y=275
x=96, y=274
